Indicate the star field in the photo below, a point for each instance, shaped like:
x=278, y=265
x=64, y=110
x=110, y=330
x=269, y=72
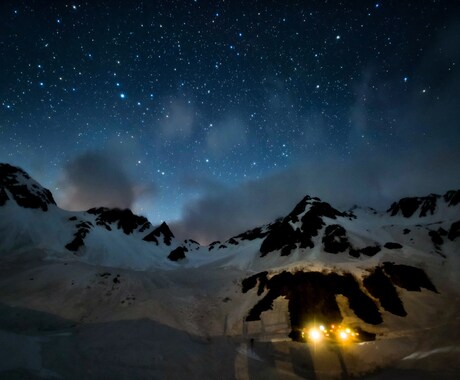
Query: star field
x=186, y=93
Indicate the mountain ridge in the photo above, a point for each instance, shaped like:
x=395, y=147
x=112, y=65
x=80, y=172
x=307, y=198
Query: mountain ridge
x=311, y=223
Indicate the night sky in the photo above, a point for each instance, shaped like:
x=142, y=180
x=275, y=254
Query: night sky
x=220, y=116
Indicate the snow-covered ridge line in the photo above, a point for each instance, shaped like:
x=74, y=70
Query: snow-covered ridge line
x=313, y=230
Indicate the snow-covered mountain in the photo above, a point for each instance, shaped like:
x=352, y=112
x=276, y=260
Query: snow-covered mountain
x=103, y=293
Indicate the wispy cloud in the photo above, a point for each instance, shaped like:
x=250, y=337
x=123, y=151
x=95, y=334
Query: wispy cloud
x=178, y=120
x=226, y=136
x=97, y=178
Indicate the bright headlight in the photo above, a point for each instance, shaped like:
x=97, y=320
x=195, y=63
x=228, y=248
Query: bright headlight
x=314, y=335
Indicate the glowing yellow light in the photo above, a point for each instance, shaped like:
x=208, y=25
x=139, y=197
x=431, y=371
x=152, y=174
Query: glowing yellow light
x=315, y=335
x=347, y=331
x=343, y=335
x=321, y=328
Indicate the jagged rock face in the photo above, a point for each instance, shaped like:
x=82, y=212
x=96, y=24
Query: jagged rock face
x=381, y=282
x=379, y=286
x=283, y=236
x=177, y=254
x=213, y=245
x=164, y=230
x=452, y=197
x=312, y=295
x=83, y=229
x=335, y=239
x=454, y=231
x=423, y=206
x=407, y=277
x=24, y=190
x=3, y=196
x=124, y=219
x=408, y=206
x=192, y=244
x=256, y=233
x=436, y=238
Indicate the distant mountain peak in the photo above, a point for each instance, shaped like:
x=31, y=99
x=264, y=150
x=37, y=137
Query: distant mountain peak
x=25, y=191
x=299, y=227
x=124, y=219
x=452, y=197
x=423, y=206
x=162, y=230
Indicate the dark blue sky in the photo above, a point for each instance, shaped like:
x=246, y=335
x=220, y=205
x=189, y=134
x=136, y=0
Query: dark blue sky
x=221, y=115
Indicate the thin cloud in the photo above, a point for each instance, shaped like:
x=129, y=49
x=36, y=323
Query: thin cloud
x=178, y=121
x=98, y=179
x=228, y=135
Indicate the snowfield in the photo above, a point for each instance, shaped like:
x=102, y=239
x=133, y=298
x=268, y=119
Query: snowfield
x=117, y=306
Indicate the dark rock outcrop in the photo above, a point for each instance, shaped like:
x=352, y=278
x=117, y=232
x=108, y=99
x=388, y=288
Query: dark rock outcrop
x=335, y=239
x=3, y=196
x=256, y=233
x=454, y=231
x=162, y=230
x=423, y=206
x=83, y=229
x=379, y=285
x=213, y=245
x=410, y=205
x=191, y=244
x=392, y=245
x=124, y=219
x=407, y=277
x=25, y=191
x=279, y=237
x=367, y=251
x=250, y=282
x=436, y=238
x=282, y=236
x=232, y=241
x=177, y=254
x=452, y=197
x=311, y=297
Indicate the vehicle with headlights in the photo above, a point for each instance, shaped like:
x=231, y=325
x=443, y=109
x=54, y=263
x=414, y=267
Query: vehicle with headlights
x=334, y=332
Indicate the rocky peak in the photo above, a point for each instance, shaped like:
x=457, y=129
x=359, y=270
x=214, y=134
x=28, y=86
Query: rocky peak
x=123, y=219
x=423, y=206
x=16, y=183
x=162, y=230
x=452, y=197
x=299, y=227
